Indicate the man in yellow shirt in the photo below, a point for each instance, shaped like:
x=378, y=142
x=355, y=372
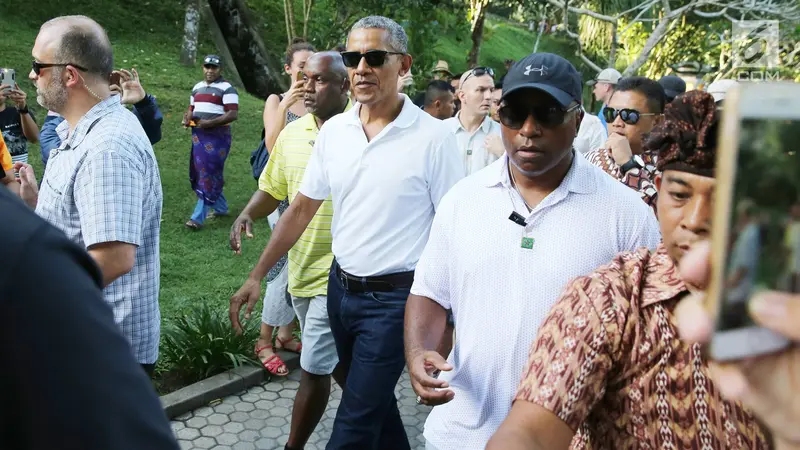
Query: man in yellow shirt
x=7, y=176
x=310, y=260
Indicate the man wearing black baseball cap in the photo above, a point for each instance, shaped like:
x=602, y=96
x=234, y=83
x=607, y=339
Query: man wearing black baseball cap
x=507, y=269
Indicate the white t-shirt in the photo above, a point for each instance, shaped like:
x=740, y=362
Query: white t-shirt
x=500, y=292
x=472, y=145
x=385, y=191
x=591, y=135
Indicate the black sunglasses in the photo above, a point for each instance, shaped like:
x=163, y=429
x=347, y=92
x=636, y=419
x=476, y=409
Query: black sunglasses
x=375, y=58
x=629, y=116
x=479, y=72
x=37, y=66
x=514, y=115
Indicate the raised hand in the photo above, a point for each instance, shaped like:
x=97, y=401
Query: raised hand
x=132, y=90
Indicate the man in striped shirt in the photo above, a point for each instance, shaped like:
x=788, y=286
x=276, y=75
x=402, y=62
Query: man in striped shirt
x=214, y=104
x=310, y=259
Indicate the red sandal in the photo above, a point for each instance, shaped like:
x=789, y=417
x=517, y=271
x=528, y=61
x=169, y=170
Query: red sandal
x=274, y=364
x=282, y=343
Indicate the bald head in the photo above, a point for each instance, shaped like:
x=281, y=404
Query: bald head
x=80, y=41
x=329, y=62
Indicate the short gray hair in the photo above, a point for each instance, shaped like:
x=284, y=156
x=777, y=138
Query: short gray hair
x=398, y=39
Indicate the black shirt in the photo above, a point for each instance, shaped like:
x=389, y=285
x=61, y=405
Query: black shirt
x=11, y=127
x=69, y=380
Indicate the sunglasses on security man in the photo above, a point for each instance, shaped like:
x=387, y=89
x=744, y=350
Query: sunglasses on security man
x=629, y=116
x=37, y=66
x=514, y=115
x=374, y=58
x=479, y=72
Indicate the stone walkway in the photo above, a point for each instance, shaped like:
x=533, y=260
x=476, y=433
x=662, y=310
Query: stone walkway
x=259, y=418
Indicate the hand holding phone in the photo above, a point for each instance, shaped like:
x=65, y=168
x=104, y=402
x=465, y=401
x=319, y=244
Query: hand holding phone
x=767, y=386
x=756, y=230
x=8, y=79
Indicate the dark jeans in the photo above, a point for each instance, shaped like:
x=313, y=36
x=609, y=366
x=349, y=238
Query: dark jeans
x=149, y=369
x=368, y=330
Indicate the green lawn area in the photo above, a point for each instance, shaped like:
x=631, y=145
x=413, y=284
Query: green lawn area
x=197, y=267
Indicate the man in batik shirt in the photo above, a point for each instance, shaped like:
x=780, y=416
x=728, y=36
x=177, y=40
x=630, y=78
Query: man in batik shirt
x=635, y=107
x=607, y=370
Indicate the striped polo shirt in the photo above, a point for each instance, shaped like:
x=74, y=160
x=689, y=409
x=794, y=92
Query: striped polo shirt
x=311, y=257
x=211, y=100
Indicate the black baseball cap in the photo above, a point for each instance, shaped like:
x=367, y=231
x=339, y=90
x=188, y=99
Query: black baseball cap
x=673, y=86
x=212, y=60
x=547, y=72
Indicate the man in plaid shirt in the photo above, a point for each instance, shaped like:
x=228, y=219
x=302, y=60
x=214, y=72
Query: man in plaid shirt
x=102, y=186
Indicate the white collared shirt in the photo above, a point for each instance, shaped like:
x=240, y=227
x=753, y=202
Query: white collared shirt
x=501, y=292
x=591, y=134
x=471, y=145
x=385, y=192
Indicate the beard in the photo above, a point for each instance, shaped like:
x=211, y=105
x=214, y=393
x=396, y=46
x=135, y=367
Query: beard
x=54, y=95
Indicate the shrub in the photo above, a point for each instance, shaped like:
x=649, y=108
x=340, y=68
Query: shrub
x=202, y=344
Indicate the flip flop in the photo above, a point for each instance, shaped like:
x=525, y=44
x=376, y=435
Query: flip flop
x=274, y=364
x=191, y=224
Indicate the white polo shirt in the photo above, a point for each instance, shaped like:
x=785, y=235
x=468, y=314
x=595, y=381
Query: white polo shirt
x=501, y=292
x=385, y=192
x=474, y=154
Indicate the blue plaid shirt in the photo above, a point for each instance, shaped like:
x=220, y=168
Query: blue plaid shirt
x=102, y=185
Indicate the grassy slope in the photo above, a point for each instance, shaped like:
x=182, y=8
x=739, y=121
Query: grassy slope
x=196, y=267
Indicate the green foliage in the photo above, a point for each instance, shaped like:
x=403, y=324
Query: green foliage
x=201, y=344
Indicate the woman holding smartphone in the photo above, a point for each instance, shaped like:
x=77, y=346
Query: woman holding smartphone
x=279, y=111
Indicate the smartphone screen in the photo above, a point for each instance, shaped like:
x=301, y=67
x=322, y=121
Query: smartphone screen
x=763, y=246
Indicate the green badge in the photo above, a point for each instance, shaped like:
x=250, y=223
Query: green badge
x=527, y=243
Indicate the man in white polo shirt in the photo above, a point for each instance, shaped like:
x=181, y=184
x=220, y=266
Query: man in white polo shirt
x=472, y=125
x=546, y=215
x=386, y=164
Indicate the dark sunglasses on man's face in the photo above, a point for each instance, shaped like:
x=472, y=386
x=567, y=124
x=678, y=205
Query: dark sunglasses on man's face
x=514, y=115
x=629, y=116
x=37, y=66
x=374, y=58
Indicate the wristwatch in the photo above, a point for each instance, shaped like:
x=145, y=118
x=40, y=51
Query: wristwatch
x=635, y=161
x=23, y=110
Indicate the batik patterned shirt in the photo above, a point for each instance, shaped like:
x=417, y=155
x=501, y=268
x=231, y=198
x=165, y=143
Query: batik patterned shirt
x=640, y=180
x=608, y=362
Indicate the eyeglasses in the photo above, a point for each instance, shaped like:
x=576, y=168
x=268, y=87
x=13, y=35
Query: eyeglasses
x=37, y=66
x=479, y=72
x=375, y=58
x=629, y=116
x=514, y=116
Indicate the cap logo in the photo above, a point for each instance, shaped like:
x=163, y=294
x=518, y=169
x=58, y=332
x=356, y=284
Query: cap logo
x=542, y=70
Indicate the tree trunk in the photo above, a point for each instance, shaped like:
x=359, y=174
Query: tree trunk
x=612, y=57
x=307, y=4
x=655, y=37
x=191, y=30
x=260, y=71
x=478, y=17
x=289, y=35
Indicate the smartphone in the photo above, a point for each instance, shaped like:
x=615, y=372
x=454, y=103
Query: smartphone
x=756, y=230
x=8, y=77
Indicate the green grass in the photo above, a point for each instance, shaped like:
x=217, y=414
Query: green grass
x=197, y=268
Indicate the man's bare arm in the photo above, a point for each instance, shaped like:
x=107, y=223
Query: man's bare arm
x=287, y=231
x=425, y=322
x=115, y=259
x=224, y=119
x=260, y=205
x=531, y=427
